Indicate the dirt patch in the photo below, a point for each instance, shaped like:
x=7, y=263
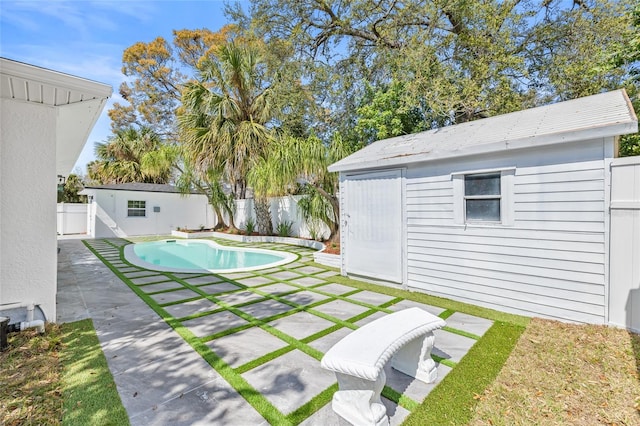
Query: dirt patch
x=566, y=374
x=332, y=248
x=30, y=391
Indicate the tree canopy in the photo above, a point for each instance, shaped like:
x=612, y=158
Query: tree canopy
x=122, y=158
x=263, y=101
x=455, y=61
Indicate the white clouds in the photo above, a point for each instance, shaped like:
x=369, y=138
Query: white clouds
x=86, y=38
x=81, y=17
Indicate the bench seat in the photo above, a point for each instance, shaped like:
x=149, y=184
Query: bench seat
x=404, y=337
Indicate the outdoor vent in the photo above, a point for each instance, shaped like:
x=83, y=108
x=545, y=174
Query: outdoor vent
x=156, y=209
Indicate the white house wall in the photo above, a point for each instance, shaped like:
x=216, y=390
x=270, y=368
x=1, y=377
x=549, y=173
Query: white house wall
x=109, y=218
x=28, y=205
x=550, y=262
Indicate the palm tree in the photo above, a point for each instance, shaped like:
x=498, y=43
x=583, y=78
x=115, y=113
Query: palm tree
x=225, y=115
x=120, y=159
x=208, y=182
x=292, y=162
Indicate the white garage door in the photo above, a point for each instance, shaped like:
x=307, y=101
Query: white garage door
x=373, y=225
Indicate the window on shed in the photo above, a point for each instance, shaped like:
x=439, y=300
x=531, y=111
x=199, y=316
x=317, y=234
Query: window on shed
x=482, y=197
x=136, y=208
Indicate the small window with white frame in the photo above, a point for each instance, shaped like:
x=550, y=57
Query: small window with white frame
x=482, y=197
x=136, y=208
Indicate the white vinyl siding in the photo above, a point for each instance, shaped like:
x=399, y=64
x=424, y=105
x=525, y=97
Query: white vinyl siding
x=551, y=260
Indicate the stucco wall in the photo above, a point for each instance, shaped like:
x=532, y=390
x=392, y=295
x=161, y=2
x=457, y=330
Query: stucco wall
x=28, y=205
x=109, y=213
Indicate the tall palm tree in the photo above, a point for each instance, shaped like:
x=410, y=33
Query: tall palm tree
x=225, y=115
x=189, y=179
x=120, y=159
x=292, y=162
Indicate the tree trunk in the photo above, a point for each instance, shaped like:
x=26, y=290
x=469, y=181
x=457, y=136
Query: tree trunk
x=220, y=224
x=334, y=227
x=263, y=216
x=232, y=223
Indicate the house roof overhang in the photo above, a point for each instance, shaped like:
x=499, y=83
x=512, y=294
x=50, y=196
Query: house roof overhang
x=603, y=115
x=78, y=102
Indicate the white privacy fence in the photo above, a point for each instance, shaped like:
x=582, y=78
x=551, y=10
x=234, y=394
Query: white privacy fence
x=624, y=275
x=283, y=209
x=72, y=218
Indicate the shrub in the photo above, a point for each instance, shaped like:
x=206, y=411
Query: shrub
x=249, y=226
x=284, y=229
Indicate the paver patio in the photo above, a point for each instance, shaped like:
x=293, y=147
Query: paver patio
x=241, y=348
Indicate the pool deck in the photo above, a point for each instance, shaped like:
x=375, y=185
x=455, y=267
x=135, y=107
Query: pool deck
x=266, y=330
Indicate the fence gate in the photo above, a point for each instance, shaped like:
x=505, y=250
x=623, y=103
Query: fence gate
x=624, y=272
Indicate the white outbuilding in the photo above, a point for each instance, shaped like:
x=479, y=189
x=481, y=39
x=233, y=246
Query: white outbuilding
x=45, y=120
x=129, y=209
x=528, y=212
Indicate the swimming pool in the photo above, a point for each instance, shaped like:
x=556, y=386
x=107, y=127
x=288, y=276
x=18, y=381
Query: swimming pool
x=202, y=256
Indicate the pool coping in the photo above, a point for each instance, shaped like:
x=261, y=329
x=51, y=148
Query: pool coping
x=131, y=257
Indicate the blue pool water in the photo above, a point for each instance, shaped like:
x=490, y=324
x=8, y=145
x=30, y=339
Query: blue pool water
x=199, y=255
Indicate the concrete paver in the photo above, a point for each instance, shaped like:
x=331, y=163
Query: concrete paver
x=190, y=308
x=341, y=309
x=214, y=403
x=214, y=323
x=151, y=364
x=174, y=296
x=163, y=380
x=290, y=380
x=239, y=348
x=301, y=324
x=469, y=323
x=451, y=346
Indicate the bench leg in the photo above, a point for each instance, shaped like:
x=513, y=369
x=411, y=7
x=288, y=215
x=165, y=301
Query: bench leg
x=358, y=400
x=414, y=359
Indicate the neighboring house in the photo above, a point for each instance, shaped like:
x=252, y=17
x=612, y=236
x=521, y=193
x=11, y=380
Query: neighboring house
x=128, y=209
x=45, y=120
x=512, y=212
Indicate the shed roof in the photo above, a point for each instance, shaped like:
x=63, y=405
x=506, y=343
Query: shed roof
x=138, y=187
x=602, y=115
x=79, y=103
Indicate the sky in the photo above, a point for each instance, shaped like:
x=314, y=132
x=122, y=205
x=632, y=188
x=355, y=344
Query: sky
x=87, y=38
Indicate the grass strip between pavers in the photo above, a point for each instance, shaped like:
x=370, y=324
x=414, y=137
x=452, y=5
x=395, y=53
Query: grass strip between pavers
x=252, y=396
x=400, y=399
x=428, y=299
x=461, y=333
x=450, y=402
x=216, y=362
x=444, y=361
x=317, y=402
x=89, y=393
x=453, y=400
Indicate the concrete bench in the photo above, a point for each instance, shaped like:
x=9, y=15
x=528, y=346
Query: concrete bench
x=359, y=358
